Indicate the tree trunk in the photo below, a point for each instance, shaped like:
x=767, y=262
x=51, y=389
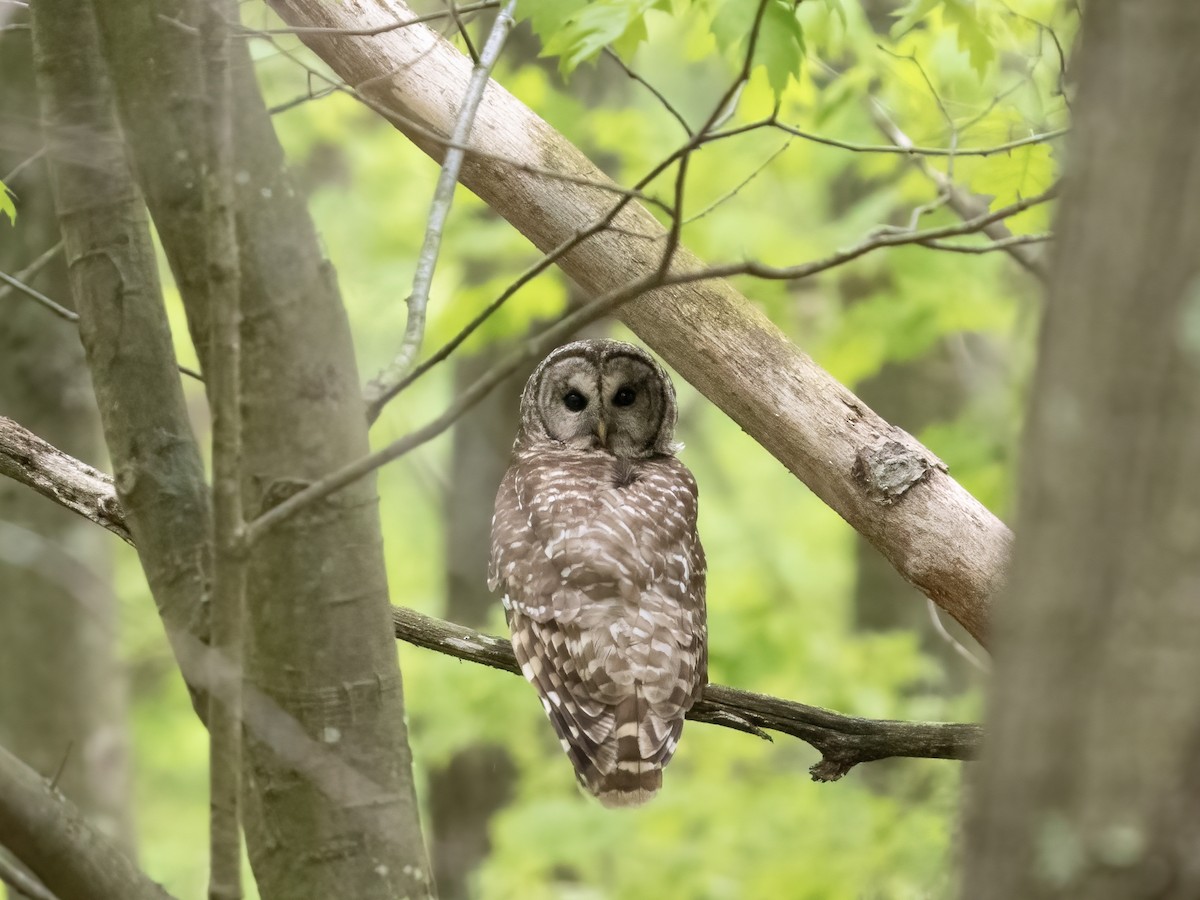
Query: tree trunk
x=62, y=691
x=1091, y=782
x=331, y=806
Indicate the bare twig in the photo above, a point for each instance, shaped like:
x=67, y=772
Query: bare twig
x=844, y=741
x=1006, y=244
x=603, y=222
x=589, y=313
x=23, y=164
x=398, y=117
x=963, y=203
x=741, y=185
x=17, y=283
x=225, y=709
x=383, y=386
x=911, y=149
x=28, y=273
x=609, y=53
x=34, y=294
x=950, y=639
x=456, y=14
x=529, y=350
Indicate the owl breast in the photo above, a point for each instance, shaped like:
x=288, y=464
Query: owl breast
x=603, y=575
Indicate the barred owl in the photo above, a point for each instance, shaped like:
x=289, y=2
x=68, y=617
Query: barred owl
x=594, y=544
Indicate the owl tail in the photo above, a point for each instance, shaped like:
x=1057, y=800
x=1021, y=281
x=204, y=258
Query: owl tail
x=634, y=776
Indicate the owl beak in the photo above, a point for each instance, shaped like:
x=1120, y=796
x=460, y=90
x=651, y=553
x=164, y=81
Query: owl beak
x=602, y=432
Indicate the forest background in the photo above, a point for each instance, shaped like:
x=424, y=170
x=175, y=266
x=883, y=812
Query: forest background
x=939, y=342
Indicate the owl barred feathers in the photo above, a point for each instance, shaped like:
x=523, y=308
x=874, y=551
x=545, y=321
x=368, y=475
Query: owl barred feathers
x=594, y=544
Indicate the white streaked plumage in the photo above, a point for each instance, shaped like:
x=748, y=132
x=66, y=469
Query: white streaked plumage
x=594, y=543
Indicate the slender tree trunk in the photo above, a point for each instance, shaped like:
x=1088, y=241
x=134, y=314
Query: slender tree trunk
x=62, y=690
x=1090, y=786
x=331, y=806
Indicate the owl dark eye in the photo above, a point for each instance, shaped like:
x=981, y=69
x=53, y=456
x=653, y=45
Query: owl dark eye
x=574, y=401
x=624, y=397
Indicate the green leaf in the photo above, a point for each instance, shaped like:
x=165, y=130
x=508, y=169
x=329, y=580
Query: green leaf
x=836, y=8
x=597, y=25
x=780, y=46
x=974, y=38
x=7, y=207
x=548, y=17
x=912, y=13
x=1007, y=177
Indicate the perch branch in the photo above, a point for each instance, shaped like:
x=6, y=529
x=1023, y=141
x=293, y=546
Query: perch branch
x=843, y=741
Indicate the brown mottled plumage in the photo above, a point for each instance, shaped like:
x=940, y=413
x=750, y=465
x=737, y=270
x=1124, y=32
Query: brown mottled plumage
x=594, y=543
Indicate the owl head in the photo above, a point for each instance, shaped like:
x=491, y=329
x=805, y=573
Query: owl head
x=600, y=395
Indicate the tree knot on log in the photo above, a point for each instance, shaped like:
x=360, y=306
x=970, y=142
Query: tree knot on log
x=891, y=466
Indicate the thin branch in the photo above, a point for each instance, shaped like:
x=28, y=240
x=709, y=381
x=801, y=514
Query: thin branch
x=741, y=185
x=456, y=14
x=609, y=53
x=963, y=203
x=914, y=150
x=31, y=271
x=225, y=701
x=940, y=627
x=26, y=458
x=383, y=386
x=23, y=164
x=724, y=105
x=529, y=350
x=398, y=117
x=1006, y=244
x=568, y=325
x=17, y=283
x=20, y=286
x=844, y=741
x=878, y=241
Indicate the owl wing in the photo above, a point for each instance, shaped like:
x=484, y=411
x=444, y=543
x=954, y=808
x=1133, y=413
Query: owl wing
x=604, y=592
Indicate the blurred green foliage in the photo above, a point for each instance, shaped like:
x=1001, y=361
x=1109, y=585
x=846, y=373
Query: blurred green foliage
x=738, y=817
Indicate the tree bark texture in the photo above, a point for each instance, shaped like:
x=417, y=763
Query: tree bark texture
x=939, y=537
x=319, y=645
x=1091, y=782
x=62, y=691
x=114, y=280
